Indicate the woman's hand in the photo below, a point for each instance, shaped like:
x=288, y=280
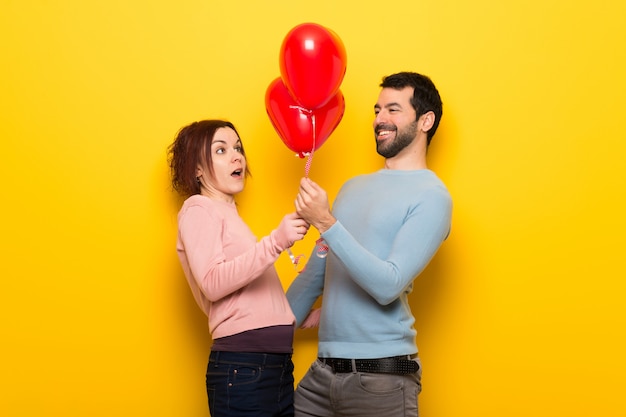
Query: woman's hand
x=291, y=229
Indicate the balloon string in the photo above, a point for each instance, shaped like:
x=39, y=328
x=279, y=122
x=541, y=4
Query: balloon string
x=295, y=260
x=322, y=247
x=309, y=160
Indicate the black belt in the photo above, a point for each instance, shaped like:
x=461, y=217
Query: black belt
x=400, y=365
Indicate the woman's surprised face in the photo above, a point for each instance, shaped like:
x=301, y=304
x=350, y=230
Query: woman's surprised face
x=227, y=176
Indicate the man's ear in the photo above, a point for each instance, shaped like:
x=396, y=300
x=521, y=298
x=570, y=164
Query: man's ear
x=428, y=120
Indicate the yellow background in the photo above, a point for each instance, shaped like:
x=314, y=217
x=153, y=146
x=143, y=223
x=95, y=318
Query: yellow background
x=521, y=312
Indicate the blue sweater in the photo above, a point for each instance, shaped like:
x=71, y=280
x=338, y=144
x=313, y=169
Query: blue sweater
x=389, y=226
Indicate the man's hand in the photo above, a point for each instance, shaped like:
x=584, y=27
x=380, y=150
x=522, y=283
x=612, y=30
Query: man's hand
x=312, y=205
x=312, y=320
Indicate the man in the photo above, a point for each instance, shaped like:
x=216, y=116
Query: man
x=383, y=230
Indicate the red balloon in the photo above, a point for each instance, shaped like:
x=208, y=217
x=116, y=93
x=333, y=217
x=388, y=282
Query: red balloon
x=294, y=123
x=312, y=64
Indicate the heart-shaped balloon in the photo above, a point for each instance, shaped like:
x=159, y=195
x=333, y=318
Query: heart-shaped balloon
x=312, y=64
x=295, y=123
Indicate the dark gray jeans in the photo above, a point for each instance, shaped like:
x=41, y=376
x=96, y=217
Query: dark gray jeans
x=324, y=393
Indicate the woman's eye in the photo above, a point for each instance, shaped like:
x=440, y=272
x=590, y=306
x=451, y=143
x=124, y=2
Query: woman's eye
x=239, y=149
x=219, y=150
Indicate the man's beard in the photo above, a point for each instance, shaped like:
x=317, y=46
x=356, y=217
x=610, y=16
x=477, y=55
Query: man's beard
x=403, y=139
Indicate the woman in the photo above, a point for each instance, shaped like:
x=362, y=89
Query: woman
x=232, y=275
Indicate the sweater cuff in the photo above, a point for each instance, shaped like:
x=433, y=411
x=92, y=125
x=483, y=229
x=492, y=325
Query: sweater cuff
x=279, y=243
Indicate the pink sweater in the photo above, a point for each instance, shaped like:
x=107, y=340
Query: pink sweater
x=231, y=275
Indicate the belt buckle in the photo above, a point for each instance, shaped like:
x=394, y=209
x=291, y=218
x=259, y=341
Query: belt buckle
x=339, y=365
x=342, y=365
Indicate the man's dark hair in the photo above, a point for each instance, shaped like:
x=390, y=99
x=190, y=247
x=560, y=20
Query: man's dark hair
x=425, y=95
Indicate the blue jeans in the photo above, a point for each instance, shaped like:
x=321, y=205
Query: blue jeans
x=324, y=393
x=250, y=384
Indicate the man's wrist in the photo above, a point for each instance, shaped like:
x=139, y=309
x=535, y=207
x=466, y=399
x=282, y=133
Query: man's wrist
x=325, y=224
